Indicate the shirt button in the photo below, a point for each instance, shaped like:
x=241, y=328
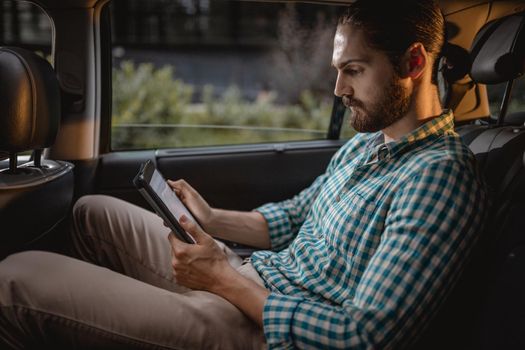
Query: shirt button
x=382, y=153
x=337, y=198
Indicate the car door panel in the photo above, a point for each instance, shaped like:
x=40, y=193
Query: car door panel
x=228, y=177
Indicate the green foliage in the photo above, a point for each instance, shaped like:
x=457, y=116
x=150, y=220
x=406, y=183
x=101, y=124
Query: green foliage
x=145, y=95
x=153, y=109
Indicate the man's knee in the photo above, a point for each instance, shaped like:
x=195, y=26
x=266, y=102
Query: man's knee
x=12, y=277
x=99, y=206
x=35, y=278
x=17, y=272
x=95, y=211
x=91, y=205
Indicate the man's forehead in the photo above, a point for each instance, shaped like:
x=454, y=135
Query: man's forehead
x=349, y=44
x=340, y=41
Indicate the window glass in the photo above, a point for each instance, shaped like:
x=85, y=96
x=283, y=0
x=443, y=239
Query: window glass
x=200, y=72
x=23, y=24
x=347, y=132
x=517, y=101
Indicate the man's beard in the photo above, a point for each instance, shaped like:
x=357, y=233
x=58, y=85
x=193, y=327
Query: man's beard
x=393, y=107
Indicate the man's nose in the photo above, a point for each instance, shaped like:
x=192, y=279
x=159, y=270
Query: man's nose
x=342, y=87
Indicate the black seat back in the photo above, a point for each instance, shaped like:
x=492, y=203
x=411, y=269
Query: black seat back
x=485, y=309
x=35, y=196
x=498, y=56
x=501, y=324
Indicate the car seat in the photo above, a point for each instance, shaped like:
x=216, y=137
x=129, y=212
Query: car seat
x=36, y=196
x=486, y=308
x=501, y=58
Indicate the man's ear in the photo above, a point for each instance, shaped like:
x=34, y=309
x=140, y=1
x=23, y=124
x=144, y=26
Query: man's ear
x=415, y=61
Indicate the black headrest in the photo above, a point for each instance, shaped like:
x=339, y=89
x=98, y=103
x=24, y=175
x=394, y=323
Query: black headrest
x=457, y=62
x=498, y=51
x=29, y=101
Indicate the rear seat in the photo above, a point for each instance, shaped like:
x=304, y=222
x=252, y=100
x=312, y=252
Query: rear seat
x=486, y=309
x=500, y=149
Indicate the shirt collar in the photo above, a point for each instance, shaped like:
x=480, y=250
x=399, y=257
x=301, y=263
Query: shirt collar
x=441, y=125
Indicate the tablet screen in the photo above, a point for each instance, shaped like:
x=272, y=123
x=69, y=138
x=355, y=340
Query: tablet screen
x=166, y=194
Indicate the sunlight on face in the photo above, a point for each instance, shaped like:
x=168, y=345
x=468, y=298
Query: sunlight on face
x=340, y=43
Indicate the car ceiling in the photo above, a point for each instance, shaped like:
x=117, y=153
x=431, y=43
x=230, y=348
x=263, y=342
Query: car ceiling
x=448, y=6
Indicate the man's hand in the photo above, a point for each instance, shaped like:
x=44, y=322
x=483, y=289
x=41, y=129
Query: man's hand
x=249, y=228
x=204, y=266
x=194, y=201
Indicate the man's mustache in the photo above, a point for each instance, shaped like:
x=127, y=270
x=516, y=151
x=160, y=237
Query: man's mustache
x=352, y=102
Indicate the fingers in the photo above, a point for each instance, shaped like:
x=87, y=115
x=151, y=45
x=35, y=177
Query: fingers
x=175, y=184
x=177, y=265
x=180, y=185
x=181, y=258
x=178, y=249
x=173, y=240
x=192, y=263
x=193, y=229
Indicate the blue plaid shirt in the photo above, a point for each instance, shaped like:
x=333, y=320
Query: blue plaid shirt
x=362, y=257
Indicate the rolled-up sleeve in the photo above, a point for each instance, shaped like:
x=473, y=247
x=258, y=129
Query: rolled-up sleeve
x=432, y=224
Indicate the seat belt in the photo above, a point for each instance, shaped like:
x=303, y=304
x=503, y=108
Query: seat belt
x=493, y=229
x=510, y=175
x=506, y=186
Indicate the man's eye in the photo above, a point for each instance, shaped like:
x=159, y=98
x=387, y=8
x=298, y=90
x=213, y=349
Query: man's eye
x=353, y=72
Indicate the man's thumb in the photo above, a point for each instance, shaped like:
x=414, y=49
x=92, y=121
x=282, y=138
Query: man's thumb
x=192, y=228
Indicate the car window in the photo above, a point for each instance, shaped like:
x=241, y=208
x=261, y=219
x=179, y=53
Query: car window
x=200, y=73
x=347, y=132
x=517, y=101
x=25, y=25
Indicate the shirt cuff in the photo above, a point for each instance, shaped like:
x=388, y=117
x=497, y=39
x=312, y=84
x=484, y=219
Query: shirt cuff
x=279, y=226
x=278, y=316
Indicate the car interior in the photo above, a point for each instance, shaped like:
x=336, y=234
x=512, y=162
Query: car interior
x=55, y=146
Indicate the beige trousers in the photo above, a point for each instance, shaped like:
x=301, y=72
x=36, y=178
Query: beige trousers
x=121, y=295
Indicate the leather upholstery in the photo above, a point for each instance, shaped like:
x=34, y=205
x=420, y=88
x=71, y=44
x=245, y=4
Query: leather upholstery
x=457, y=62
x=498, y=51
x=33, y=203
x=453, y=66
x=485, y=308
x=29, y=101
x=34, y=200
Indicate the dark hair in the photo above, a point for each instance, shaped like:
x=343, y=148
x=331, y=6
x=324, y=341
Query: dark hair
x=392, y=26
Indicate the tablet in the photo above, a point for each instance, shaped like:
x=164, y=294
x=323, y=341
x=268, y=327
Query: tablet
x=155, y=189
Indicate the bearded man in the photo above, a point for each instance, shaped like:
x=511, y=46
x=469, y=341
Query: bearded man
x=361, y=259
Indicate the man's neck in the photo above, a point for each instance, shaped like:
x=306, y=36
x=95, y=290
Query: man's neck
x=424, y=107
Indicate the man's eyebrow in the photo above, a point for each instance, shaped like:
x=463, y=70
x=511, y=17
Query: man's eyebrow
x=351, y=60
